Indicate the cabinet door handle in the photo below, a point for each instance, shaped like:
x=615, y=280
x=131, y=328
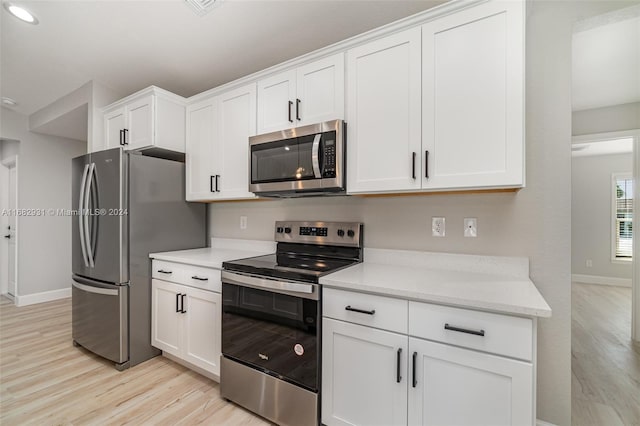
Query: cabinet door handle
x=124, y=139
x=298, y=109
x=121, y=137
x=413, y=165
x=183, y=310
x=360, y=311
x=290, y=105
x=464, y=330
x=162, y=271
x=195, y=277
x=217, y=181
x=211, y=183
x=426, y=164
x=398, y=376
x=178, y=302
x=415, y=380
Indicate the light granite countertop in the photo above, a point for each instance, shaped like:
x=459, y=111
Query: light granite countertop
x=491, y=283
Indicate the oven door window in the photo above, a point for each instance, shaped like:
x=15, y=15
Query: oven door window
x=274, y=332
x=282, y=161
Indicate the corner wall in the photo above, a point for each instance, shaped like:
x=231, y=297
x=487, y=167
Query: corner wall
x=591, y=217
x=44, y=181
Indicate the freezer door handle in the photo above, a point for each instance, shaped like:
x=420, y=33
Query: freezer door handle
x=81, y=213
x=96, y=290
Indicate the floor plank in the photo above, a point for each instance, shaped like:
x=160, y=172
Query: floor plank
x=44, y=379
x=605, y=363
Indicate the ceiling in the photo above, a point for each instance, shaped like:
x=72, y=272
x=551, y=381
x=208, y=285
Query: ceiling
x=606, y=60
x=129, y=45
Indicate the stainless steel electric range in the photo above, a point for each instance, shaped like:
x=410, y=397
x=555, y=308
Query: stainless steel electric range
x=271, y=319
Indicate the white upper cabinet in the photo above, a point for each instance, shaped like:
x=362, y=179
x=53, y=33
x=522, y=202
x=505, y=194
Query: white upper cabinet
x=217, y=159
x=151, y=118
x=309, y=94
x=202, y=146
x=383, y=114
x=473, y=98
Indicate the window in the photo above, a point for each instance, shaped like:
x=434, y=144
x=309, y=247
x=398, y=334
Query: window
x=622, y=217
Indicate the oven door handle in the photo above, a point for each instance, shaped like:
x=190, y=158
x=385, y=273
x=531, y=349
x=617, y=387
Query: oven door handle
x=238, y=279
x=315, y=156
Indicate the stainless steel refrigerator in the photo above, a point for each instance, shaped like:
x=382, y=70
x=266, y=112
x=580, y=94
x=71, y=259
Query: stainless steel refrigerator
x=128, y=205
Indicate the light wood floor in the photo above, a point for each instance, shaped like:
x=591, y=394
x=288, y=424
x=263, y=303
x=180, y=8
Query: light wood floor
x=44, y=380
x=605, y=364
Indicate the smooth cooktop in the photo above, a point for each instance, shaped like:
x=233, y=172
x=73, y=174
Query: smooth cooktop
x=288, y=266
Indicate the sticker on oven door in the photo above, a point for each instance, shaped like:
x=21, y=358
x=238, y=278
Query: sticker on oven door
x=298, y=349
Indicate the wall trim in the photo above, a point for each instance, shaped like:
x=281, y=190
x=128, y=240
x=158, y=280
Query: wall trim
x=45, y=296
x=595, y=279
x=543, y=423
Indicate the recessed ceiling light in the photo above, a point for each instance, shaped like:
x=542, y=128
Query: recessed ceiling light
x=8, y=101
x=21, y=13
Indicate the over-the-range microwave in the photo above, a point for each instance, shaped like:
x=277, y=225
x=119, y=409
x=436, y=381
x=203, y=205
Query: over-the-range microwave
x=303, y=161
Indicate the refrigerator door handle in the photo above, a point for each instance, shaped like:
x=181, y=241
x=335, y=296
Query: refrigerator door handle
x=96, y=290
x=87, y=236
x=81, y=215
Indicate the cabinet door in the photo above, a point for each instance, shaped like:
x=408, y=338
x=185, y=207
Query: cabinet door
x=237, y=123
x=114, y=123
x=360, y=380
x=455, y=386
x=166, y=321
x=383, y=114
x=202, y=149
x=276, y=106
x=140, y=123
x=320, y=91
x=202, y=333
x=473, y=97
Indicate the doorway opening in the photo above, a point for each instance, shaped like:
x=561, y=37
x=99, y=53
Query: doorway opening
x=605, y=318
x=9, y=218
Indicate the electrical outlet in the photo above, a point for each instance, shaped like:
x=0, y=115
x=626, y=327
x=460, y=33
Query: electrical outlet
x=470, y=227
x=589, y=263
x=243, y=222
x=437, y=226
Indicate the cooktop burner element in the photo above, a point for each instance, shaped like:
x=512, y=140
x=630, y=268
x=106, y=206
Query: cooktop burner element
x=306, y=251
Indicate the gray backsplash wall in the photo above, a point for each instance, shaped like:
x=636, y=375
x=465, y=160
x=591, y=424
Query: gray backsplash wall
x=390, y=222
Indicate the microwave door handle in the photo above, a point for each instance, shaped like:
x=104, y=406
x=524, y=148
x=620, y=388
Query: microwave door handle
x=315, y=156
x=81, y=213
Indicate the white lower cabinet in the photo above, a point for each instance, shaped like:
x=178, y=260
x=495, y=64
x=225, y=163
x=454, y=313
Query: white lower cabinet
x=186, y=323
x=363, y=375
x=372, y=376
x=456, y=386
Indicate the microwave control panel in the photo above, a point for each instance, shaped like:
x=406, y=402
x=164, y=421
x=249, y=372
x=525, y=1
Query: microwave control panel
x=329, y=169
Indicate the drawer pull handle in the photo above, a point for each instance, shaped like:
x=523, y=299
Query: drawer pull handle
x=464, y=330
x=360, y=311
x=398, y=376
x=162, y=271
x=195, y=277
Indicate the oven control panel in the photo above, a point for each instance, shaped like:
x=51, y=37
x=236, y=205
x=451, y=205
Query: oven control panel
x=322, y=233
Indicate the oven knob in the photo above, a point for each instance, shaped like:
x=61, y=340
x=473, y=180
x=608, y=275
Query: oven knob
x=287, y=230
x=280, y=230
x=350, y=233
x=340, y=232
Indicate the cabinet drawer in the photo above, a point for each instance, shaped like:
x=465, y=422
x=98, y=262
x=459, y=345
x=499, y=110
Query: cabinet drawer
x=166, y=271
x=193, y=276
x=495, y=333
x=366, y=309
x=204, y=278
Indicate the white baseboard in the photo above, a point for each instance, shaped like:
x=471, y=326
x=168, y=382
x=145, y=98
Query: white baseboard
x=595, y=279
x=543, y=423
x=45, y=296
